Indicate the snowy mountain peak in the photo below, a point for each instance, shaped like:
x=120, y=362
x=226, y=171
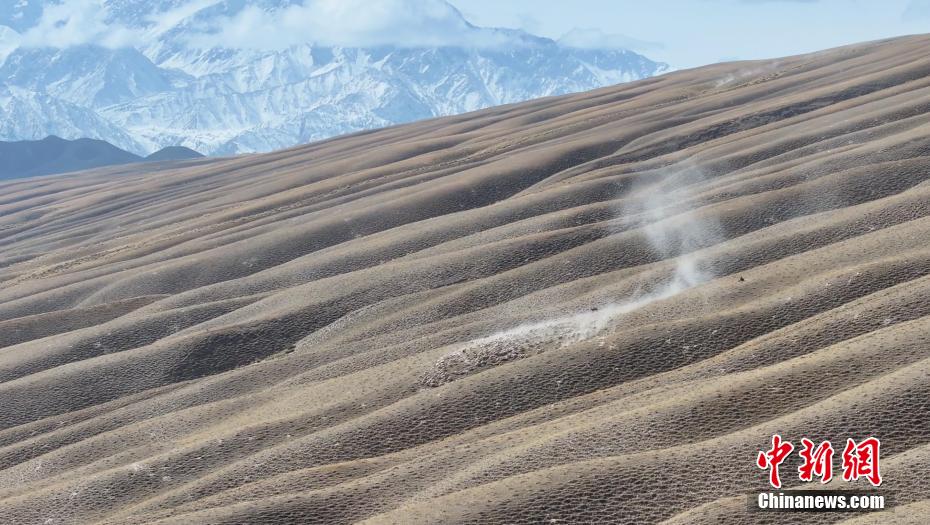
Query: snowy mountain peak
x=191, y=72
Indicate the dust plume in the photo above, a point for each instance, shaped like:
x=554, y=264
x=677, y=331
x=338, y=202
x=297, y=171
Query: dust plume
x=663, y=212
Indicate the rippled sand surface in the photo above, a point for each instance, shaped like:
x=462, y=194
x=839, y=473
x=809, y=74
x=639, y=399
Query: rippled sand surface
x=596, y=307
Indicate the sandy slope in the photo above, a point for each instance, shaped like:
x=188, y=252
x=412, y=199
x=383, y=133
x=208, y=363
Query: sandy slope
x=527, y=314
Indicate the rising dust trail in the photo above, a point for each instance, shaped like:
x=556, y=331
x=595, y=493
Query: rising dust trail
x=672, y=233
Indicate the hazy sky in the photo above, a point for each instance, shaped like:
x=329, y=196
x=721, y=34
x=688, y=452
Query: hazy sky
x=688, y=33
x=683, y=33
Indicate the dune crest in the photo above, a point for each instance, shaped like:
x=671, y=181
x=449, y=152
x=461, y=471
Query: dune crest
x=595, y=307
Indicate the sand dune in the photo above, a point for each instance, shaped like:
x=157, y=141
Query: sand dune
x=596, y=307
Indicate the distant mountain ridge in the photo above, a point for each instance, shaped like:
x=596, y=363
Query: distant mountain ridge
x=226, y=101
x=173, y=153
x=51, y=155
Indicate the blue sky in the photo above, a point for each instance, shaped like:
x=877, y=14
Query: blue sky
x=695, y=32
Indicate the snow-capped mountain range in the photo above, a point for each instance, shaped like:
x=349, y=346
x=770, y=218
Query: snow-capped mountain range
x=144, y=74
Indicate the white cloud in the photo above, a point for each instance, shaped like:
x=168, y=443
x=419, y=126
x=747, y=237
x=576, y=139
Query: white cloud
x=77, y=22
x=349, y=23
x=588, y=38
x=9, y=41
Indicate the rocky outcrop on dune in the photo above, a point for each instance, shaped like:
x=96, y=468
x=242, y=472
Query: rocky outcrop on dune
x=595, y=307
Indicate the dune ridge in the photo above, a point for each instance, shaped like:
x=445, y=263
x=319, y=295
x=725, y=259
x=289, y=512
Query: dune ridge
x=594, y=307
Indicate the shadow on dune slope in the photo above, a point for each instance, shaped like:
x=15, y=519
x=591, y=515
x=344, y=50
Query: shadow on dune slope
x=596, y=307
